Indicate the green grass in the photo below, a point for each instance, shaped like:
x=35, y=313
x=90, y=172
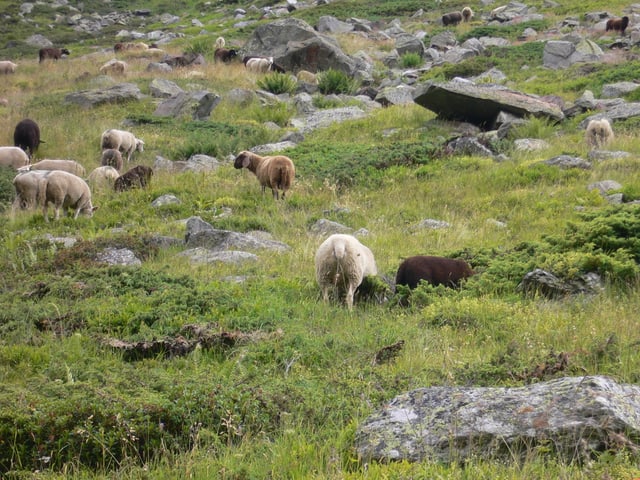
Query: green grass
x=283, y=394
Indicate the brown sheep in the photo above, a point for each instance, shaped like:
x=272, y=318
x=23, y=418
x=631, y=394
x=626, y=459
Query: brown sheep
x=453, y=18
x=433, y=270
x=26, y=135
x=113, y=158
x=276, y=172
x=52, y=53
x=137, y=177
x=617, y=24
x=225, y=55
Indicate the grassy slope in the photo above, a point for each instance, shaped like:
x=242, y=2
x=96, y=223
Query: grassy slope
x=286, y=403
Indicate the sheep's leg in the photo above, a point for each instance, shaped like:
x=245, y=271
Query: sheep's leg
x=349, y=297
x=275, y=193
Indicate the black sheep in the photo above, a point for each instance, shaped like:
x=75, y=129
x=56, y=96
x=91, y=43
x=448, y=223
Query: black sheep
x=27, y=136
x=433, y=270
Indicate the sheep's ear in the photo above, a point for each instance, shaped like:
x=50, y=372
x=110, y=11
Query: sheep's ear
x=246, y=162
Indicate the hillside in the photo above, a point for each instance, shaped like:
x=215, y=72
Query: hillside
x=177, y=367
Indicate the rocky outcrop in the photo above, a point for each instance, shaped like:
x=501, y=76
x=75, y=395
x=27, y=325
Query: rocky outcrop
x=481, y=104
x=573, y=416
x=197, y=105
x=121, y=93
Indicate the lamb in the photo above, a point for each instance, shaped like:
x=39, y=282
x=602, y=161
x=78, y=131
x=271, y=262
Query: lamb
x=7, y=66
x=599, y=133
x=52, y=53
x=64, y=190
x=220, y=43
x=307, y=77
x=225, y=55
x=617, y=24
x=433, y=270
x=467, y=14
x=453, y=18
x=26, y=185
x=116, y=67
x=121, y=140
x=259, y=65
x=104, y=176
x=341, y=263
x=70, y=166
x=26, y=135
x=276, y=172
x=13, y=157
x=137, y=177
x=112, y=158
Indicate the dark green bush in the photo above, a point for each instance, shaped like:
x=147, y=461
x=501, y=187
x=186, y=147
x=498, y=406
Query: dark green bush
x=277, y=83
x=410, y=60
x=335, y=81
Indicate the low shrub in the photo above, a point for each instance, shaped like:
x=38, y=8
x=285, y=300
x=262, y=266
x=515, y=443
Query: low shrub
x=335, y=81
x=277, y=83
x=410, y=60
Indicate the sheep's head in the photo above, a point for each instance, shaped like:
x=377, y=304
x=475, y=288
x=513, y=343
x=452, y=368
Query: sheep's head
x=139, y=145
x=243, y=160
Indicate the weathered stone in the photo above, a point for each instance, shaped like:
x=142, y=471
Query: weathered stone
x=324, y=118
x=327, y=227
x=201, y=234
x=509, y=12
x=270, y=148
x=621, y=111
x=468, y=146
x=409, y=44
x=601, y=155
x=619, y=89
x=197, y=105
x=167, y=199
x=480, y=104
x=567, y=161
x=162, y=88
x=118, y=256
x=329, y=24
x=604, y=186
x=200, y=255
x=574, y=416
x=120, y=93
x=564, y=53
x=400, y=95
x=541, y=282
x=530, y=144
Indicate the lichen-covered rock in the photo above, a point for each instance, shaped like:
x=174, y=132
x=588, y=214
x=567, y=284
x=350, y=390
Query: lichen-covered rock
x=573, y=416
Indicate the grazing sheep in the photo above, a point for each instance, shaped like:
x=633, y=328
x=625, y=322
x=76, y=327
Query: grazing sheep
x=121, y=140
x=64, y=190
x=70, y=166
x=137, y=177
x=220, y=43
x=225, y=55
x=27, y=185
x=116, y=67
x=102, y=177
x=434, y=270
x=599, y=133
x=184, y=60
x=617, y=24
x=453, y=18
x=26, y=135
x=7, y=66
x=307, y=77
x=112, y=158
x=259, y=65
x=467, y=14
x=52, y=53
x=120, y=47
x=276, y=172
x=13, y=157
x=342, y=262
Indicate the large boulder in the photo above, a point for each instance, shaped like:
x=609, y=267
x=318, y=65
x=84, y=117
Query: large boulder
x=295, y=45
x=197, y=105
x=564, y=53
x=120, y=93
x=574, y=416
x=481, y=104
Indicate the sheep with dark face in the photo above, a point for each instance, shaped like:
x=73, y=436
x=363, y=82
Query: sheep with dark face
x=259, y=65
x=276, y=172
x=26, y=135
x=112, y=158
x=599, y=133
x=617, y=24
x=467, y=14
x=433, y=270
x=342, y=262
x=225, y=55
x=52, y=53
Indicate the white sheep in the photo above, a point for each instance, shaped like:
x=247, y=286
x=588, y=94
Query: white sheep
x=306, y=76
x=220, y=43
x=103, y=177
x=276, y=172
x=113, y=158
x=467, y=14
x=7, y=66
x=64, y=190
x=26, y=185
x=599, y=133
x=121, y=140
x=259, y=65
x=70, y=166
x=13, y=157
x=342, y=262
x=115, y=67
